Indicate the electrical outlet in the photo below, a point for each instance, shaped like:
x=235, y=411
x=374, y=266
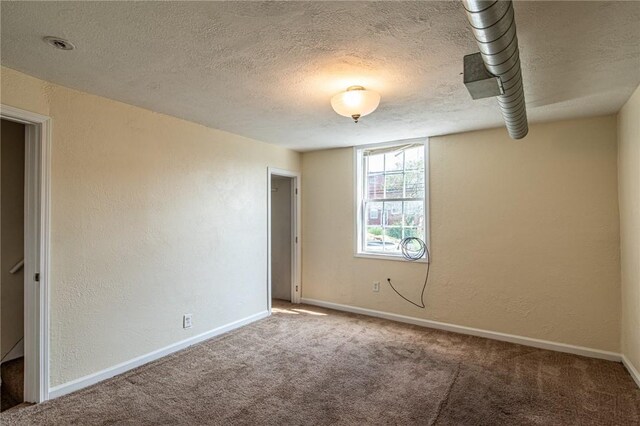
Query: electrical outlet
x=186, y=321
x=376, y=286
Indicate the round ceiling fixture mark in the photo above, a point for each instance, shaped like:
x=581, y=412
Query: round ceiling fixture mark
x=59, y=43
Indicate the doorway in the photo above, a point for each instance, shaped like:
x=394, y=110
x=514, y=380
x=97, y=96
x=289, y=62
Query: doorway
x=281, y=231
x=12, y=189
x=33, y=376
x=283, y=236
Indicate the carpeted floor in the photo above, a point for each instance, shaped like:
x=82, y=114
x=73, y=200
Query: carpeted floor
x=307, y=365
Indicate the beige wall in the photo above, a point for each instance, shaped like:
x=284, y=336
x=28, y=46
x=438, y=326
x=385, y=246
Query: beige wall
x=281, y=238
x=629, y=190
x=12, y=234
x=150, y=214
x=150, y=219
x=525, y=235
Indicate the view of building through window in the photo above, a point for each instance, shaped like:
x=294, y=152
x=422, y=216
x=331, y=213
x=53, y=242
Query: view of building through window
x=393, y=194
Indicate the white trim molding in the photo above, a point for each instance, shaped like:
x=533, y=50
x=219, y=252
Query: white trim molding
x=21, y=115
x=520, y=340
x=635, y=374
x=123, y=367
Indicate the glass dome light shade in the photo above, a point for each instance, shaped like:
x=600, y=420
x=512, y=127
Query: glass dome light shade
x=355, y=102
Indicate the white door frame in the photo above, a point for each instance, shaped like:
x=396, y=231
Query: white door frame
x=36, y=242
x=296, y=241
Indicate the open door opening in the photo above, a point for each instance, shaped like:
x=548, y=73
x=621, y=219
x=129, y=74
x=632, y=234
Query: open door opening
x=12, y=214
x=284, y=239
x=25, y=270
x=281, y=231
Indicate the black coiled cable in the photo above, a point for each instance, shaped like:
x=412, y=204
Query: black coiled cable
x=414, y=248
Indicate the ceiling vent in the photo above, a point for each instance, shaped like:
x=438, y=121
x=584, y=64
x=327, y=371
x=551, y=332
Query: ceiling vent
x=59, y=43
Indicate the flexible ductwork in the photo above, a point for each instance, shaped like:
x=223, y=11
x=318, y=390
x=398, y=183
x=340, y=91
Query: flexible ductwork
x=494, y=28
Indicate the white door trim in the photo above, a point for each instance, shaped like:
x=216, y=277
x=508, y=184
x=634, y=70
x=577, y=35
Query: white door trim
x=36, y=238
x=296, y=240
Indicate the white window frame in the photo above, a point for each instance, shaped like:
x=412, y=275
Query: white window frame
x=359, y=183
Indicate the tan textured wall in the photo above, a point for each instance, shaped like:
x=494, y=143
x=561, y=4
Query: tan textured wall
x=629, y=190
x=525, y=235
x=150, y=219
x=12, y=234
x=281, y=238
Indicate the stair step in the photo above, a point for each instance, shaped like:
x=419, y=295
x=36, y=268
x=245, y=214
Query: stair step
x=6, y=402
x=13, y=379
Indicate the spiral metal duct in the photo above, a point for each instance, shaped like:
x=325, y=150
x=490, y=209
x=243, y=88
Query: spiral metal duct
x=494, y=28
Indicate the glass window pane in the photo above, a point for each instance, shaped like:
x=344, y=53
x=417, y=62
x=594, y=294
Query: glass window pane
x=376, y=163
x=412, y=247
x=414, y=213
x=393, y=161
x=414, y=184
x=393, y=213
x=392, y=238
x=375, y=186
x=373, y=214
x=393, y=185
x=412, y=232
x=374, y=239
x=414, y=158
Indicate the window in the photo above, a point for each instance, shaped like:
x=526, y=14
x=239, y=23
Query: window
x=391, y=195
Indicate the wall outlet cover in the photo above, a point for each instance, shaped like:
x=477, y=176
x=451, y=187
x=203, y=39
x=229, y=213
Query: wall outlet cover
x=376, y=286
x=187, y=321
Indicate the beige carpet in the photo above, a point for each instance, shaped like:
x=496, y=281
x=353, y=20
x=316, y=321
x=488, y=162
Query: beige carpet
x=306, y=365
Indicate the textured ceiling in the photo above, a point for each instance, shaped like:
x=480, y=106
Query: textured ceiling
x=267, y=70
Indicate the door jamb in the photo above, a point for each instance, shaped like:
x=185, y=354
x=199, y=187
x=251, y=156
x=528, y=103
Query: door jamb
x=296, y=240
x=37, y=251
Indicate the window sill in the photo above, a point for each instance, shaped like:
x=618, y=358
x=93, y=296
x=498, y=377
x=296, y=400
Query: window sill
x=398, y=258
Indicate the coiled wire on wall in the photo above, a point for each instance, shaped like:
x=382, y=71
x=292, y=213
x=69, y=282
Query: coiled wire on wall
x=414, y=248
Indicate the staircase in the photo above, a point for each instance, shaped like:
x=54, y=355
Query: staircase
x=12, y=388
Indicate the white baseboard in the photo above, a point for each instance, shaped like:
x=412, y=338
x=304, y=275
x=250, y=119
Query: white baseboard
x=107, y=373
x=521, y=340
x=16, y=352
x=631, y=369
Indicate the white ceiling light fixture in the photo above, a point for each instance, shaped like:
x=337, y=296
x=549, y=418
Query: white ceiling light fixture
x=355, y=102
